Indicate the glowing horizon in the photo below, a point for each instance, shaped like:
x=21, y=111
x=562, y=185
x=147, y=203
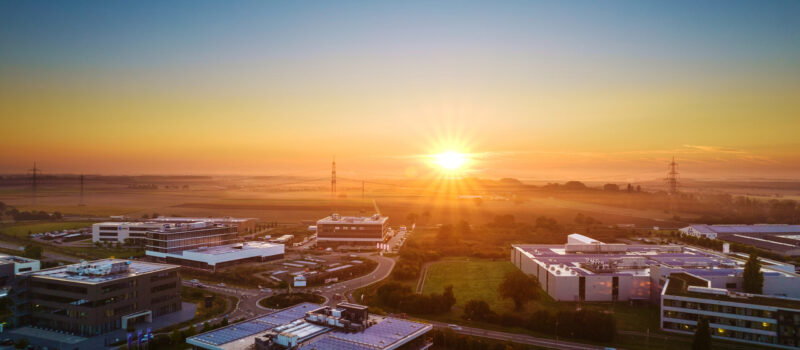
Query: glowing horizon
x=529, y=90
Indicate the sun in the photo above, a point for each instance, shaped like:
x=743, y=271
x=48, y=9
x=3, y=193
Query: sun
x=450, y=160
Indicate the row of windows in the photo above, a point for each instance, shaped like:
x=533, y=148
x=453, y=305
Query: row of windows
x=59, y=287
x=719, y=308
x=765, y=326
x=162, y=287
x=720, y=332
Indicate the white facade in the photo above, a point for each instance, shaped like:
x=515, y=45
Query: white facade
x=21, y=265
x=120, y=231
x=739, y=317
x=214, y=256
x=699, y=231
x=591, y=271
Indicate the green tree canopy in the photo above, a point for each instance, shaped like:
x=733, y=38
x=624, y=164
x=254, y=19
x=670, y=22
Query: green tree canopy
x=702, y=336
x=519, y=287
x=753, y=277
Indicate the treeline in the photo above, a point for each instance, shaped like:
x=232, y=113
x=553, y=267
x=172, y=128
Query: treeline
x=712, y=208
x=582, y=324
x=28, y=215
x=399, y=297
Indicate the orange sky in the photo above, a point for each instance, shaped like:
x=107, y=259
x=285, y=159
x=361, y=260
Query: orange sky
x=577, y=94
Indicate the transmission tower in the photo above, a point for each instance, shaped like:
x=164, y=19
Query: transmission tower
x=34, y=180
x=333, y=178
x=81, y=203
x=672, y=177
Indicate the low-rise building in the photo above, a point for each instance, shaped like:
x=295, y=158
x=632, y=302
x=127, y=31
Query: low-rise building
x=741, y=317
x=124, y=232
x=212, y=258
x=100, y=296
x=243, y=225
x=337, y=230
x=776, y=238
x=585, y=269
x=309, y=326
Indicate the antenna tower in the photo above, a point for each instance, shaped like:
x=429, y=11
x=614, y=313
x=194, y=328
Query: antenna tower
x=672, y=177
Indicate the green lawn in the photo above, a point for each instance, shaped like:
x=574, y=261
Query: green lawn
x=21, y=230
x=471, y=278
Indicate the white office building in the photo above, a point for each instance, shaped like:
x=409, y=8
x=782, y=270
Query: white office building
x=212, y=258
x=585, y=269
x=120, y=231
x=741, y=317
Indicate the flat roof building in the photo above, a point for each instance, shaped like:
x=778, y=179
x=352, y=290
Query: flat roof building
x=781, y=239
x=133, y=232
x=741, y=317
x=207, y=246
x=96, y=297
x=243, y=225
x=589, y=270
x=310, y=326
x=352, y=230
x=212, y=258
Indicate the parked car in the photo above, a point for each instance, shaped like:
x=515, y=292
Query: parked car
x=455, y=327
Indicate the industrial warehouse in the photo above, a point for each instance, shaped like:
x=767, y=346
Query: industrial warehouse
x=308, y=326
x=780, y=239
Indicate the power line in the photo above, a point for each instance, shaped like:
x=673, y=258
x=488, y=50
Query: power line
x=672, y=177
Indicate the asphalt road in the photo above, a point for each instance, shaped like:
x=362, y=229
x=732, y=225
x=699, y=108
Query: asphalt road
x=517, y=338
x=45, y=253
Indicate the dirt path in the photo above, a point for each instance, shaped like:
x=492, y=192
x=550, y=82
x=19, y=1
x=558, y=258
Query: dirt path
x=423, y=274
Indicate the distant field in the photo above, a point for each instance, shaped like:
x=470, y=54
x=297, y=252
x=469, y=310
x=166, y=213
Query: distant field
x=471, y=279
x=21, y=230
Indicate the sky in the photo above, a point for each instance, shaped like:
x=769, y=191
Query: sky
x=529, y=89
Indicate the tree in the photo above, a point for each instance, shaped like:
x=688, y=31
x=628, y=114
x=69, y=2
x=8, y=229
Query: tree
x=753, y=277
x=190, y=332
x=22, y=343
x=176, y=338
x=32, y=251
x=448, y=297
x=519, y=287
x=412, y=217
x=611, y=187
x=702, y=336
x=445, y=233
x=154, y=216
x=477, y=310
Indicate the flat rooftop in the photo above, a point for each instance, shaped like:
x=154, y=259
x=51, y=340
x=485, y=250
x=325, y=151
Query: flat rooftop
x=353, y=220
x=639, y=259
x=388, y=332
x=679, y=284
x=760, y=228
x=135, y=268
x=183, y=219
x=15, y=259
x=233, y=248
x=242, y=335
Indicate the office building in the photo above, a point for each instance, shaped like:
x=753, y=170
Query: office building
x=309, y=326
x=337, y=230
x=212, y=258
x=585, y=269
x=243, y=225
x=124, y=232
x=741, y=317
x=206, y=246
x=100, y=296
